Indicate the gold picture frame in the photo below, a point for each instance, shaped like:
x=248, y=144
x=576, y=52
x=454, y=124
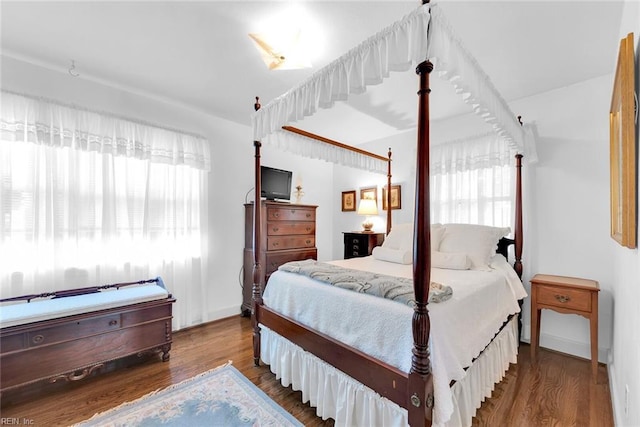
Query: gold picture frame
x=396, y=197
x=622, y=148
x=349, y=201
x=369, y=193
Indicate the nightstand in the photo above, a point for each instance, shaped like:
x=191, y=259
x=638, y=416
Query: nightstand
x=565, y=295
x=360, y=243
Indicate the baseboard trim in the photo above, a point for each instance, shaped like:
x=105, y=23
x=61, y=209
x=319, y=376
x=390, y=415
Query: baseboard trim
x=617, y=402
x=563, y=345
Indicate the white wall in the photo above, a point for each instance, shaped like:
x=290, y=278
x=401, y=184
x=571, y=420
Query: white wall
x=624, y=367
x=567, y=208
x=230, y=180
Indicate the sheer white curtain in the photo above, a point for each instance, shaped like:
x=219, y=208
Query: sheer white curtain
x=90, y=199
x=473, y=181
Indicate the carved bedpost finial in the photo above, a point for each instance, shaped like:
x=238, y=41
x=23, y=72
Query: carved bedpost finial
x=424, y=67
x=257, y=105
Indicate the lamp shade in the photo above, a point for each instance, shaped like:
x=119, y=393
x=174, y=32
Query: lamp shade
x=367, y=207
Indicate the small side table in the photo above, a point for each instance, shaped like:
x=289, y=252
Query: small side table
x=361, y=243
x=565, y=295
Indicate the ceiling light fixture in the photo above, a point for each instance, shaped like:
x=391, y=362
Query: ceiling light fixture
x=282, y=50
x=282, y=42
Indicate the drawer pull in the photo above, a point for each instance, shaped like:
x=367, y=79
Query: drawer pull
x=307, y=241
x=308, y=228
x=308, y=215
x=275, y=244
x=38, y=339
x=275, y=229
x=276, y=215
x=113, y=322
x=293, y=211
x=563, y=298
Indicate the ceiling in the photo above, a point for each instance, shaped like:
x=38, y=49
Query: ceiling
x=198, y=54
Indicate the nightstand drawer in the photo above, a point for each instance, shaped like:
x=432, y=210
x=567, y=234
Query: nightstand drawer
x=556, y=296
x=360, y=244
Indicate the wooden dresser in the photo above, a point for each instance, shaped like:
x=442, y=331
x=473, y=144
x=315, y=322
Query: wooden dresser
x=288, y=234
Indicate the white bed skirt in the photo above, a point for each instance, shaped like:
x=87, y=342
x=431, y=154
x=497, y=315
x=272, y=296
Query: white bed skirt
x=338, y=396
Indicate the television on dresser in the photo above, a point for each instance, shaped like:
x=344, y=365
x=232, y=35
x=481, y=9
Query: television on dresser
x=276, y=183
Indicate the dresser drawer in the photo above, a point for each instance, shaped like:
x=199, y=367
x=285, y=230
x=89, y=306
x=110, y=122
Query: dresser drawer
x=275, y=260
x=290, y=214
x=287, y=228
x=573, y=299
x=276, y=243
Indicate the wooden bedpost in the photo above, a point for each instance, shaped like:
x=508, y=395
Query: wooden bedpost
x=389, y=192
x=518, y=234
x=257, y=232
x=420, y=384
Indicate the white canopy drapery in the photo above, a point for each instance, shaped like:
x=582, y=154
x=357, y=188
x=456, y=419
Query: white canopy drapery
x=423, y=34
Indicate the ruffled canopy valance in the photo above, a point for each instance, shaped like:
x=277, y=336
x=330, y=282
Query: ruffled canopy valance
x=424, y=33
x=45, y=122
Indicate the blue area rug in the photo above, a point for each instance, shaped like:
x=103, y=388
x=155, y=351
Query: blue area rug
x=220, y=397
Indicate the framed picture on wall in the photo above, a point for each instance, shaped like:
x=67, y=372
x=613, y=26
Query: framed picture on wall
x=349, y=201
x=622, y=148
x=396, y=201
x=369, y=193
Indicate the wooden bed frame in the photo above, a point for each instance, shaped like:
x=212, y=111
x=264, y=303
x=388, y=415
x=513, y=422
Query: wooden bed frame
x=412, y=391
x=72, y=348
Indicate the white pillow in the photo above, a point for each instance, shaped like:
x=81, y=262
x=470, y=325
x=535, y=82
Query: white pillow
x=479, y=242
x=450, y=260
x=437, y=231
x=392, y=255
x=401, y=237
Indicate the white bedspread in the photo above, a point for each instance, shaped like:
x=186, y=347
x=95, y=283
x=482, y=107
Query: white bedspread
x=460, y=327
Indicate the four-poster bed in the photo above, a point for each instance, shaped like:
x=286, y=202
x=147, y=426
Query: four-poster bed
x=412, y=388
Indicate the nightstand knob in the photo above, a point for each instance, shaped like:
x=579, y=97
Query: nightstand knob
x=562, y=298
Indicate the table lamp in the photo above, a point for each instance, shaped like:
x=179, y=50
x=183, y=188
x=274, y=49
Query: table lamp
x=367, y=207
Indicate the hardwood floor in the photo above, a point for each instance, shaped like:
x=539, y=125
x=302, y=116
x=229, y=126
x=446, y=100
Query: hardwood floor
x=556, y=392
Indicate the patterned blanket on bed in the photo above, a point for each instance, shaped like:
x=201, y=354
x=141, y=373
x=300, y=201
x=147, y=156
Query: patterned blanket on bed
x=394, y=288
